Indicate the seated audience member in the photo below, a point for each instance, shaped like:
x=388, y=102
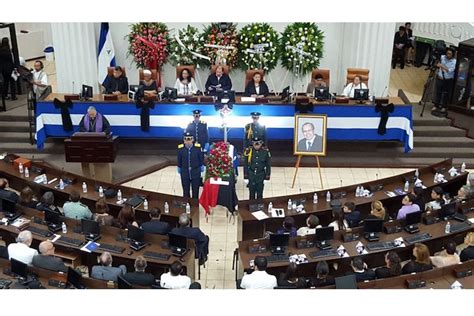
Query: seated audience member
x=361, y=271
x=75, y=209
x=150, y=89
x=312, y=222
x=154, y=225
x=46, y=203
x=140, y=277
x=408, y=206
x=185, y=84
x=322, y=275
x=339, y=223
x=392, y=267
x=468, y=252
x=464, y=194
x=419, y=199
x=195, y=286
x=288, y=227
x=377, y=211
x=290, y=279
x=6, y=194
x=101, y=214
x=436, y=199
x=218, y=81
x=421, y=262
x=259, y=278
x=194, y=233
x=351, y=215
x=105, y=271
x=355, y=84
x=446, y=257
x=316, y=82
x=27, y=198
x=21, y=250
x=46, y=258
x=126, y=217
x=94, y=122
x=173, y=279
x=256, y=87
x=117, y=83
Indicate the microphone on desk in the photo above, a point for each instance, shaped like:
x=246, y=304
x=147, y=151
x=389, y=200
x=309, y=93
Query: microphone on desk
x=383, y=92
x=376, y=176
x=73, y=87
x=341, y=181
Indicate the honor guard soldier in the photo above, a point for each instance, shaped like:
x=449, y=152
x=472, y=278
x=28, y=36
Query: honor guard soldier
x=190, y=165
x=254, y=129
x=257, y=168
x=198, y=129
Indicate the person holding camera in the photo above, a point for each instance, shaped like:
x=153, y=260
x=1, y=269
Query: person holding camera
x=444, y=80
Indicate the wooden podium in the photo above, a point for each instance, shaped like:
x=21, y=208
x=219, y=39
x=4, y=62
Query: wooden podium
x=95, y=151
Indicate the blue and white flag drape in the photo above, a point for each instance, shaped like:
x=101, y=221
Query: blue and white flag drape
x=105, y=53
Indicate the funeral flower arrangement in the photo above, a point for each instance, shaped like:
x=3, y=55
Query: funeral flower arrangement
x=185, y=42
x=301, y=47
x=214, y=35
x=255, y=38
x=219, y=163
x=148, y=43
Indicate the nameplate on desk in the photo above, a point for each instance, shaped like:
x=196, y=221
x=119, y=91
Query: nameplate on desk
x=180, y=100
x=219, y=181
x=71, y=97
x=247, y=99
x=110, y=97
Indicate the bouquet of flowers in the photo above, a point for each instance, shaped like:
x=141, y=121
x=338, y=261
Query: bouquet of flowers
x=213, y=35
x=219, y=163
x=301, y=47
x=257, y=37
x=148, y=43
x=186, y=40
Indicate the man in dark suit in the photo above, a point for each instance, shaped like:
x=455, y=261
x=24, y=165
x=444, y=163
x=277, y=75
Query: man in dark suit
x=198, y=129
x=218, y=81
x=47, y=260
x=154, y=225
x=106, y=271
x=361, y=271
x=194, y=233
x=6, y=194
x=190, y=165
x=311, y=142
x=140, y=277
x=399, y=43
x=116, y=84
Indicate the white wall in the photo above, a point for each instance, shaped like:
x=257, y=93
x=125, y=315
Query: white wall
x=450, y=32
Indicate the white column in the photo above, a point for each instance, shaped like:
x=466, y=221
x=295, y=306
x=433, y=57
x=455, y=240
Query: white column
x=75, y=49
x=368, y=45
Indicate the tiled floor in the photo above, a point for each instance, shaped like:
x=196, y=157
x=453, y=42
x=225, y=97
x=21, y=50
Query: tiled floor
x=223, y=235
x=410, y=79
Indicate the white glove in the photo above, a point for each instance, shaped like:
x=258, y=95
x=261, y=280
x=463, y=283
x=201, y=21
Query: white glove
x=246, y=181
x=266, y=181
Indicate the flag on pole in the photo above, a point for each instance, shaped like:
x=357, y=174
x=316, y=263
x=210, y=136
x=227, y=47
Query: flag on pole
x=106, y=53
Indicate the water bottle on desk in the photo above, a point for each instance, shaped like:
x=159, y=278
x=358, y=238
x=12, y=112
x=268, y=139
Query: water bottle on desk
x=188, y=208
x=315, y=198
x=447, y=228
x=417, y=173
x=45, y=179
x=27, y=173
x=101, y=192
x=407, y=186
x=463, y=167
x=167, y=208
x=20, y=168
x=119, y=195
x=357, y=194
x=84, y=187
x=289, y=204
x=328, y=197
x=270, y=207
x=61, y=184
x=64, y=228
x=145, y=204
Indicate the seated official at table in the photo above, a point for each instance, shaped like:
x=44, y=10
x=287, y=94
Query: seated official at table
x=437, y=199
x=101, y=213
x=150, y=88
x=290, y=278
x=256, y=87
x=140, y=277
x=464, y=194
x=392, y=267
x=75, y=209
x=27, y=198
x=351, y=215
x=468, y=252
x=46, y=203
x=126, y=217
x=378, y=211
x=419, y=199
x=200, y=239
x=316, y=82
x=421, y=262
x=21, y=250
x=218, y=81
x=408, y=206
x=339, y=223
x=361, y=270
x=6, y=194
x=311, y=142
x=312, y=222
x=322, y=275
x=446, y=257
x=47, y=260
x=355, y=84
x=116, y=84
x=93, y=121
x=154, y=225
x=259, y=278
x=288, y=227
x=105, y=271
x=185, y=84
x=174, y=279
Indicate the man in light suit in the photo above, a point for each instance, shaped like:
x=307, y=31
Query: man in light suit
x=105, y=271
x=311, y=142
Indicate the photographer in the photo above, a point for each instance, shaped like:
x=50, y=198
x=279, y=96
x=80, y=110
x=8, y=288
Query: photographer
x=444, y=80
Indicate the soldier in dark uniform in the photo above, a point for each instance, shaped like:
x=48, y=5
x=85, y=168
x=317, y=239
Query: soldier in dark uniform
x=190, y=165
x=257, y=168
x=254, y=129
x=198, y=129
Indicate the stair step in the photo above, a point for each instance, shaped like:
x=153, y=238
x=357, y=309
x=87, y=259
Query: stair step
x=431, y=122
x=443, y=142
x=438, y=131
x=14, y=126
x=31, y=149
x=12, y=137
x=13, y=118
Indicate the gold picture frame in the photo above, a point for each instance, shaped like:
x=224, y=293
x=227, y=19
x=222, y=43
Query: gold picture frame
x=311, y=141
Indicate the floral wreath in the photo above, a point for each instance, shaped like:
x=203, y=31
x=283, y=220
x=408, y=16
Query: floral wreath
x=191, y=41
x=219, y=163
x=306, y=38
x=148, y=43
x=258, y=33
x=213, y=35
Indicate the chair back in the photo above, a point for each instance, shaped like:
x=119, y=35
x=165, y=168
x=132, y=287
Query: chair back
x=110, y=71
x=180, y=68
x=325, y=73
x=155, y=75
x=250, y=73
x=225, y=69
x=363, y=73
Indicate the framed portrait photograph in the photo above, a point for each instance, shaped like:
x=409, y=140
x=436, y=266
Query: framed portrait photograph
x=310, y=135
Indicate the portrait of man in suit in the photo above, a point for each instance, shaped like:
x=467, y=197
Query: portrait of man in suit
x=310, y=135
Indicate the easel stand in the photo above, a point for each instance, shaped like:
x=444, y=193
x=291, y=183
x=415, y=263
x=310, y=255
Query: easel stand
x=298, y=161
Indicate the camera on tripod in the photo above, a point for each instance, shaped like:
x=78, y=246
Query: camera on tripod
x=438, y=49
